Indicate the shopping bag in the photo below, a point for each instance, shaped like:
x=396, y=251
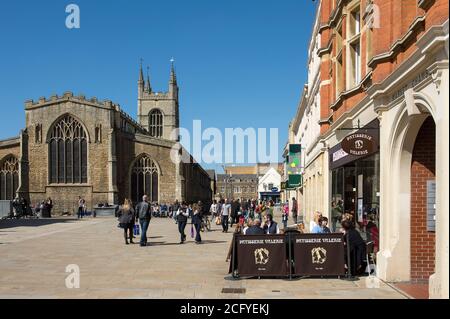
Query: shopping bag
x=218, y=221
x=192, y=231
x=136, y=230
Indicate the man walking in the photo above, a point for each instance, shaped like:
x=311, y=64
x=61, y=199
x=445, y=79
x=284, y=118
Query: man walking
x=81, y=203
x=144, y=214
x=226, y=209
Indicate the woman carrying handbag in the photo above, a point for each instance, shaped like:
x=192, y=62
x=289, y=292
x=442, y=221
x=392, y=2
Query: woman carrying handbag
x=126, y=220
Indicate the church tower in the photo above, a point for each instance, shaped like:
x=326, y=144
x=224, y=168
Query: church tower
x=158, y=112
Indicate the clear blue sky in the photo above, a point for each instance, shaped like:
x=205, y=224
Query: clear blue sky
x=240, y=63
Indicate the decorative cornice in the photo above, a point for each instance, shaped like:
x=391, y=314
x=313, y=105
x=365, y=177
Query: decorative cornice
x=327, y=49
x=357, y=89
x=433, y=38
x=335, y=14
x=398, y=44
x=325, y=120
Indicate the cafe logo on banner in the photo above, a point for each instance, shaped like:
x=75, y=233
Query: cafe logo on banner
x=319, y=255
x=261, y=256
x=358, y=144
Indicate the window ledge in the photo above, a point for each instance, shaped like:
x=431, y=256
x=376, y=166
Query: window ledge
x=69, y=185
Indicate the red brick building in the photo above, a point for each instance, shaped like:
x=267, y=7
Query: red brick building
x=384, y=76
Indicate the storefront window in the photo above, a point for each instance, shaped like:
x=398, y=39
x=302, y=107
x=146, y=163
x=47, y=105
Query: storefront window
x=355, y=195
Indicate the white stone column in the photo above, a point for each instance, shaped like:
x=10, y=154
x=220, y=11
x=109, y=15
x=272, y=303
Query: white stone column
x=393, y=259
x=326, y=191
x=439, y=281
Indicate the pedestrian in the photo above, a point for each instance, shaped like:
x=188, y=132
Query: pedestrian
x=270, y=227
x=285, y=216
x=213, y=210
x=233, y=212
x=175, y=207
x=182, y=218
x=255, y=229
x=238, y=211
x=197, y=222
x=314, y=224
x=127, y=220
x=357, y=248
x=81, y=202
x=43, y=209
x=226, y=210
x=49, y=206
x=294, y=210
x=248, y=225
x=143, y=211
x=323, y=221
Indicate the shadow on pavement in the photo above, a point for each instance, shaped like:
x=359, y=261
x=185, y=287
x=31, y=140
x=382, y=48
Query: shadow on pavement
x=212, y=242
x=11, y=223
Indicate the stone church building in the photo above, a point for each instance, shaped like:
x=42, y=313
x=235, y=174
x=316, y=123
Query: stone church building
x=73, y=146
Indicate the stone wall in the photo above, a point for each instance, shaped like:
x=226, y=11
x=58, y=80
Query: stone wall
x=90, y=114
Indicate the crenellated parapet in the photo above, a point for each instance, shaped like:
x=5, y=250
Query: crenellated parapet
x=69, y=96
x=156, y=96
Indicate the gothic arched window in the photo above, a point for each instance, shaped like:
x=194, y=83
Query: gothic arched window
x=68, y=152
x=9, y=177
x=156, y=123
x=144, y=180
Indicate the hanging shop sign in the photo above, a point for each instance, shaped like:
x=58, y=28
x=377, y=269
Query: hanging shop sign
x=355, y=146
x=359, y=144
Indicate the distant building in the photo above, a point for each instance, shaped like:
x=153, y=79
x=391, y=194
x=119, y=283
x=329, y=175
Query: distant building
x=257, y=169
x=242, y=186
x=269, y=186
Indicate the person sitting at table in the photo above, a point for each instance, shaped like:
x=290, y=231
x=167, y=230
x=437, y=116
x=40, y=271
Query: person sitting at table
x=314, y=222
x=357, y=247
x=301, y=228
x=248, y=225
x=255, y=229
x=270, y=227
x=323, y=221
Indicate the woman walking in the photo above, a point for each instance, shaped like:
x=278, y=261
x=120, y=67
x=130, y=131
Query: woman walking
x=197, y=221
x=127, y=219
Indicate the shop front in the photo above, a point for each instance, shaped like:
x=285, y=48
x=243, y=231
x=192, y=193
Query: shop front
x=355, y=182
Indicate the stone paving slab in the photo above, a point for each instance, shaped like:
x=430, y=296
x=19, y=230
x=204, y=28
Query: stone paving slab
x=33, y=259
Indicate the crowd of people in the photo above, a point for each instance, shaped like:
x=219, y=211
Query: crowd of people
x=250, y=217
x=143, y=212
x=22, y=209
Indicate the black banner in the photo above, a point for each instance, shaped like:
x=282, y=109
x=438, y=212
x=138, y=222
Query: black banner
x=318, y=254
x=261, y=255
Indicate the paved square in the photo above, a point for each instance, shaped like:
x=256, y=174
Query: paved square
x=34, y=256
